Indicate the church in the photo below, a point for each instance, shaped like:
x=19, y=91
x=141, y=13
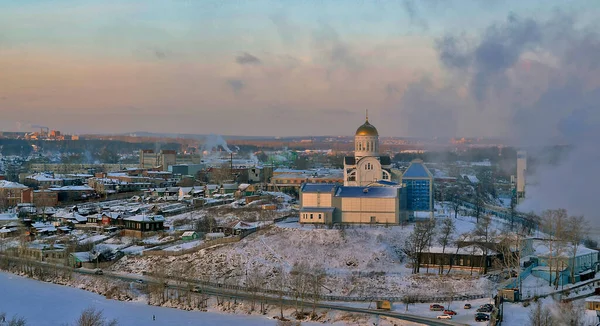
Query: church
x=372, y=193
x=366, y=166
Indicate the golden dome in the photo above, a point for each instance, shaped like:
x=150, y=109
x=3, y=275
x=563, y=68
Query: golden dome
x=367, y=129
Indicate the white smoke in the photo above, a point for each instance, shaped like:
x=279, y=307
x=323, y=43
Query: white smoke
x=212, y=142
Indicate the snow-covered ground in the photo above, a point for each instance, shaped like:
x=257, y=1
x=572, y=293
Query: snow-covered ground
x=184, y=246
x=49, y=304
x=360, y=261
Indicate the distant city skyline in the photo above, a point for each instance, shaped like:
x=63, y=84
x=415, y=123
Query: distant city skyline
x=293, y=68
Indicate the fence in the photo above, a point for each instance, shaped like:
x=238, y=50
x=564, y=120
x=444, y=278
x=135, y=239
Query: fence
x=204, y=245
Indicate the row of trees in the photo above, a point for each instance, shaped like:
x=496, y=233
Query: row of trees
x=304, y=282
x=564, y=235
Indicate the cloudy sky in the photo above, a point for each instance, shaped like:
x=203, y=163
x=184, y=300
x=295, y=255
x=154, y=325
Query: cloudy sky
x=447, y=68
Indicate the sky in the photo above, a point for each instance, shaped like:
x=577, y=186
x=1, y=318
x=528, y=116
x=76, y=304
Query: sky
x=450, y=68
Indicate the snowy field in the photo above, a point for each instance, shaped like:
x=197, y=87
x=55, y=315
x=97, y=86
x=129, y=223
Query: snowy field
x=360, y=261
x=49, y=304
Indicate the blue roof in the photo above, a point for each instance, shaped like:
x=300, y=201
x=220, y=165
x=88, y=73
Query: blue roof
x=371, y=192
x=387, y=183
x=318, y=187
x=417, y=170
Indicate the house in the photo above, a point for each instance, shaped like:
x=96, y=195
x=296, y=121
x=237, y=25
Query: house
x=246, y=189
x=469, y=257
x=77, y=259
x=40, y=228
x=52, y=253
x=189, y=235
x=593, y=303
x=8, y=231
x=93, y=219
x=190, y=192
x=111, y=218
x=237, y=227
x=142, y=225
x=210, y=190
x=11, y=193
x=73, y=218
x=544, y=262
x=228, y=188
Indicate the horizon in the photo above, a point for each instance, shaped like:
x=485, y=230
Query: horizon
x=240, y=68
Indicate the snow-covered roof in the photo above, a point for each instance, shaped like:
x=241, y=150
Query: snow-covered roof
x=367, y=192
x=471, y=178
x=4, y=184
x=8, y=216
x=243, y=186
x=145, y=218
x=111, y=215
x=466, y=250
x=72, y=188
x=230, y=186
x=541, y=249
x=595, y=298
x=74, y=216
x=43, y=177
x=83, y=257
x=188, y=233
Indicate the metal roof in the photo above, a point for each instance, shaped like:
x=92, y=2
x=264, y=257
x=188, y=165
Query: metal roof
x=318, y=187
x=367, y=192
x=417, y=169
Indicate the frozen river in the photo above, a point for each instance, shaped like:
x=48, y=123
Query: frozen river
x=50, y=304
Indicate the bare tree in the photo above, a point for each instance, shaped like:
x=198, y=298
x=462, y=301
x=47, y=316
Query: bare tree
x=569, y=314
x=279, y=284
x=410, y=295
x=484, y=234
x=461, y=238
x=554, y=224
x=316, y=279
x=14, y=321
x=299, y=284
x=446, y=234
x=455, y=200
x=479, y=201
x=417, y=241
x=541, y=316
x=577, y=231
x=93, y=317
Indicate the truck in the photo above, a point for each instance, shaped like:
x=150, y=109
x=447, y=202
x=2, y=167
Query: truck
x=384, y=305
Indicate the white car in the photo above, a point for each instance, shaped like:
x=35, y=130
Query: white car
x=444, y=317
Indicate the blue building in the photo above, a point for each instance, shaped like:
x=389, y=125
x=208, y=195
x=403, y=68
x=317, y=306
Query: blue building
x=418, y=183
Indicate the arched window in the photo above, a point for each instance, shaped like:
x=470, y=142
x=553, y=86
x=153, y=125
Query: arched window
x=368, y=146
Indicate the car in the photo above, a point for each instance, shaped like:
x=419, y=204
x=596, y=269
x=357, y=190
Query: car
x=449, y=312
x=444, y=317
x=467, y=306
x=482, y=317
x=436, y=307
x=485, y=308
x=139, y=281
x=197, y=289
x=98, y=271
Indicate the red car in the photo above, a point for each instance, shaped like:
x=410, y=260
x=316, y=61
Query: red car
x=449, y=312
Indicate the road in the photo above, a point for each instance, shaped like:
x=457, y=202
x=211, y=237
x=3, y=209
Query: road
x=215, y=291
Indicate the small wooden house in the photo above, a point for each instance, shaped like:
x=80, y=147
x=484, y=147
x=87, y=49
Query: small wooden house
x=189, y=235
